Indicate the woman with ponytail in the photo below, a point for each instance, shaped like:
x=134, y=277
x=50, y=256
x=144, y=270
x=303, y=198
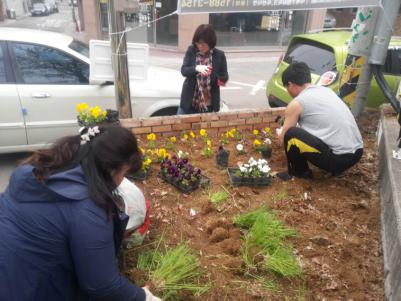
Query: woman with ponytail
x=61, y=225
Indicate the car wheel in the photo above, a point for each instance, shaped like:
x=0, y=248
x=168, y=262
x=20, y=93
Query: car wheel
x=276, y=103
x=166, y=112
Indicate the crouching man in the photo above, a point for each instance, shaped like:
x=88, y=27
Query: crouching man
x=318, y=128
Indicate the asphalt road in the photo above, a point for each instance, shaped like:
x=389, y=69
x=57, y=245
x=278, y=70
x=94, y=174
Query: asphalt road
x=248, y=72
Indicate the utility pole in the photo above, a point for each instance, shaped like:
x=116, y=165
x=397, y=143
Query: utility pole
x=356, y=77
x=119, y=60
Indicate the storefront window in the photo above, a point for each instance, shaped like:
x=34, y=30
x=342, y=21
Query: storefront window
x=270, y=28
x=104, y=21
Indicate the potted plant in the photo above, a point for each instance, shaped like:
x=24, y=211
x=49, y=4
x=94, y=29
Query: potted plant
x=180, y=173
x=91, y=116
x=145, y=170
x=252, y=173
x=222, y=156
x=264, y=147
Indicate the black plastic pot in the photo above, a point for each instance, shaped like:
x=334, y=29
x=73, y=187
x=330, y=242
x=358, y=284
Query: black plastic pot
x=247, y=181
x=266, y=153
x=222, y=158
x=203, y=181
x=140, y=175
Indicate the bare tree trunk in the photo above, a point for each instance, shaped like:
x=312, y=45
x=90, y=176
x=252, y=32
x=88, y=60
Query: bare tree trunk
x=1, y=11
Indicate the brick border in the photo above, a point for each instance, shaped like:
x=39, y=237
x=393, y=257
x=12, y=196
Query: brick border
x=214, y=123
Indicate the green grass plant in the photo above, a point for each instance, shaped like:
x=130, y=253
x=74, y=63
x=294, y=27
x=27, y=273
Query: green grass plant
x=266, y=239
x=219, y=197
x=283, y=262
x=175, y=270
x=281, y=196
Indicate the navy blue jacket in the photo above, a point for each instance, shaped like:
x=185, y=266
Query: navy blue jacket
x=56, y=244
x=219, y=71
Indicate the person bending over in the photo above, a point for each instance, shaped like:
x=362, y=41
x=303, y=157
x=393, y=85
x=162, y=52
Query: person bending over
x=318, y=127
x=61, y=225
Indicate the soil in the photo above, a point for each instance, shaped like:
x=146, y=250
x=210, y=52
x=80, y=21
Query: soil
x=337, y=219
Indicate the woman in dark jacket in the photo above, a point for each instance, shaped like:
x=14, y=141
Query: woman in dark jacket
x=205, y=69
x=61, y=225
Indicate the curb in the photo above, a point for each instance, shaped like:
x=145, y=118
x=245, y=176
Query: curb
x=390, y=195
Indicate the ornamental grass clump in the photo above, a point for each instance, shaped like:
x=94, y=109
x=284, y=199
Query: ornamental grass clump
x=173, y=271
x=219, y=197
x=266, y=238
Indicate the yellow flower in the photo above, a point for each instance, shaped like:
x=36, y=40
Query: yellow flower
x=147, y=162
x=230, y=134
x=233, y=130
x=82, y=107
x=173, y=139
x=185, y=137
x=150, y=152
x=202, y=132
x=192, y=134
x=161, y=152
x=96, y=111
x=256, y=143
x=255, y=132
x=267, y=130
x=142, y=150
x=209, y=143
x=151, y=137
x=104, y=113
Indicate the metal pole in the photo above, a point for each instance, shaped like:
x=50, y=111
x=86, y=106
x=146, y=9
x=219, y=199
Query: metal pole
x=119, y=60
x=362, y=47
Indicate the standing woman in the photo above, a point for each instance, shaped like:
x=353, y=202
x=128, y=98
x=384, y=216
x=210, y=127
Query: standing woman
x=61, y=225
x=205, y=70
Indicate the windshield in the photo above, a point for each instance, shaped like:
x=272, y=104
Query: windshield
x=318, y=57
x=80, y=47
x=38, y=6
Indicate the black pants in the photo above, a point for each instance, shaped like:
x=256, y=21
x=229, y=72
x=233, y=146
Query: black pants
x=301, y=147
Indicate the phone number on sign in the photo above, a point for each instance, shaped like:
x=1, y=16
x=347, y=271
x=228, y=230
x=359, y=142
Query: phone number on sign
x=213, y=3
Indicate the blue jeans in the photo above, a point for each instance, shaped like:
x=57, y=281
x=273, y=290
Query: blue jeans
x=180, y=111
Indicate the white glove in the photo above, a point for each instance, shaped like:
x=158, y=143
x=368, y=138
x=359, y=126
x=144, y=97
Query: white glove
x=149, y=295
x=202, y=69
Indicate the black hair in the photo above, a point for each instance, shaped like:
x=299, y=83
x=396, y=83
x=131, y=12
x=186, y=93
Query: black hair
x=298, y=73
x=106, y=152
x=205, y=33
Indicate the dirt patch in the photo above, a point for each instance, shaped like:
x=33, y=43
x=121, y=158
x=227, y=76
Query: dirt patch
x=337, y=219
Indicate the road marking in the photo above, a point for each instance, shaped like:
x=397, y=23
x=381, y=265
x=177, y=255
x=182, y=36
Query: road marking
x=259, y=86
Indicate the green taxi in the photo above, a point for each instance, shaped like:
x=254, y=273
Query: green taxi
x=325, y=52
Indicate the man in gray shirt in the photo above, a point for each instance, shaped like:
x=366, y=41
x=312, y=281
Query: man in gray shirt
x=326, y=136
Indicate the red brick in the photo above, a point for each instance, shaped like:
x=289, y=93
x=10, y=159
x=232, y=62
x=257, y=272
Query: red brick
x=200, y=125
x=142, y=130
x=269, y=119
x=161, y=128
x=264, y=113
x=278, y=111
x=182, y=126
x=228, y=116
x=210, y=117
x=254, y=120
x=190, y=118
x=131, y=123
x=152, y=121
x=218, y=124
x=245, y=115
x=234, y=123
x=171, y=120
x=245, y=127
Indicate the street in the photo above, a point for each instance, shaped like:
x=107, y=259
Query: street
x=248, y=71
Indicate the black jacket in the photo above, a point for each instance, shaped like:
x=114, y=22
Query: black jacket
x=219, y=65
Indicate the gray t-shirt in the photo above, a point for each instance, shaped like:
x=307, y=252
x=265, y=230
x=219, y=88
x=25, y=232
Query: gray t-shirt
x=327, y=117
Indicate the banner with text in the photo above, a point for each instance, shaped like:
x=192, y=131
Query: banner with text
x=226, y=6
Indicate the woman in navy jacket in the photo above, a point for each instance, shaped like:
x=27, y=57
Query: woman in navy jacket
x=60, y=224
x=205, y=70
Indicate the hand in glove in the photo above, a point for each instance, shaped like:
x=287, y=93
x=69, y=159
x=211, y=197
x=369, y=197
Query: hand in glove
x=149, y=295
x=203, y=69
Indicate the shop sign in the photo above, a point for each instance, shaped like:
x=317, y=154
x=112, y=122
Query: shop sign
x=226, y=6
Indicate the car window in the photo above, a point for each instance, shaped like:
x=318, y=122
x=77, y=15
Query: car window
x=3, y=78
x=39, y=64
x=318, y=57
x=393, y=62
x=80, y=47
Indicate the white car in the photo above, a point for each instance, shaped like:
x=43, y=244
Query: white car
x=44, y=75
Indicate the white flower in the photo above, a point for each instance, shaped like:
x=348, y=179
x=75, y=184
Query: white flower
x=243, y=169
x=268, y=141
x=265, y=169
x=240, y=147
x=180, y=154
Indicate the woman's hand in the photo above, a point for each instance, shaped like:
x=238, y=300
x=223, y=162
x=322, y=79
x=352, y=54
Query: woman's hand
x=149, y=295
x=203, y=69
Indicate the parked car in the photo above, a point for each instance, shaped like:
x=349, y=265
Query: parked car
x=52, y=6
x=329, y=21
x=325, y=53
x=39, y=9
x=44, y=75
